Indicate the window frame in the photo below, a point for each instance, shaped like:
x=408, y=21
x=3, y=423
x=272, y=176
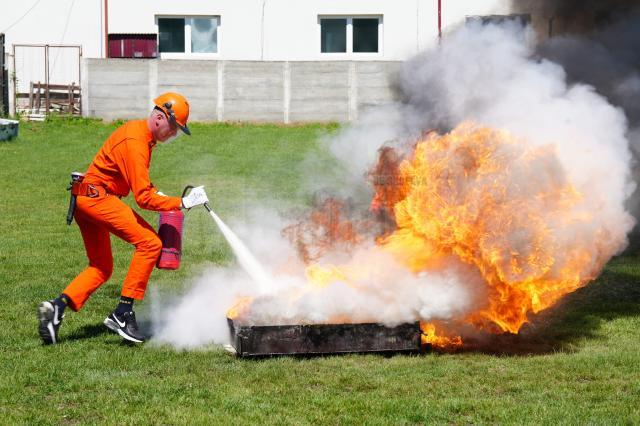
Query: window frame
x=188, y=54
x=350, y=53
x=523, y=19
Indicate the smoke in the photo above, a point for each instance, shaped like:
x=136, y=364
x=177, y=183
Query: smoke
x=604, y=63
x=598, y=43
x=490, y=75
x=577, y=16
x=198, y=317
x=385, y=292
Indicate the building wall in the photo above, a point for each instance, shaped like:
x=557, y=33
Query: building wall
x=60, y=22
x=54, y=22
x=288, y=30
x=269, y=91
x=250, y=30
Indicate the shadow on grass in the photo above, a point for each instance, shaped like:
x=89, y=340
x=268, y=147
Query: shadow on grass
x=95, y=330
x=577, y=316
x=88, y=332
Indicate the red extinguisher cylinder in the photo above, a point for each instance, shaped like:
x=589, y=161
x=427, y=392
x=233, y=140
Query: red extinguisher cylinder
x=170, y=232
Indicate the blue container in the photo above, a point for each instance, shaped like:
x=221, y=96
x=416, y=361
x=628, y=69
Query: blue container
x=8, y=129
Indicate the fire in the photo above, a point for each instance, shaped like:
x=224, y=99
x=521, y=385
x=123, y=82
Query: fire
x=321, y=277
x=468, y=196
x=241, y=305
x=324, y=230
x=429, y=337
x=481, y=196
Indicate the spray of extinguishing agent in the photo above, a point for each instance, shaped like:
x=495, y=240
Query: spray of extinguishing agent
x=171, y=224
x=246, y=259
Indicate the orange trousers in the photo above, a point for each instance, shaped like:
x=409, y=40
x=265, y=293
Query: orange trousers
x=97, y=218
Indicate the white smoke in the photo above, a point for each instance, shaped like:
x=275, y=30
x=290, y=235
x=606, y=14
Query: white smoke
x=198, y=318
x=386, y=293
x=487, y=74
x=383, y=292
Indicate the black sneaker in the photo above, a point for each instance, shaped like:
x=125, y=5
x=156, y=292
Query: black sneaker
x=125, y=325
x=50, y=320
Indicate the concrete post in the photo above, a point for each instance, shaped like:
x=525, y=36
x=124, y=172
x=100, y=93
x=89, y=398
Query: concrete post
x=84, y=89
x=287, y=91
x=153, y=80
x=220, y=101
x=353, y=92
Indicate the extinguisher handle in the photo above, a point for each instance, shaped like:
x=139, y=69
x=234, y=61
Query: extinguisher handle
x=186, y=190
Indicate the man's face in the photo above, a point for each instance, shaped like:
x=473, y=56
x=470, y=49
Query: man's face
x=163, y=130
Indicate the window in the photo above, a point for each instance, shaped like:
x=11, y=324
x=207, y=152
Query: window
x=350, y=34
x=189, y=35
x=204, y=35
x=171, y=34
x=334, y=35
x=365, y=35
x=521, y=19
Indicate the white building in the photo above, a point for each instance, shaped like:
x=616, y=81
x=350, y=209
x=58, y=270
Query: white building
x=245, y=29
x=228, y=30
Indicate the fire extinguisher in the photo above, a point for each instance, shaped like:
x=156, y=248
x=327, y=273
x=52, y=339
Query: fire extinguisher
x=170, y=228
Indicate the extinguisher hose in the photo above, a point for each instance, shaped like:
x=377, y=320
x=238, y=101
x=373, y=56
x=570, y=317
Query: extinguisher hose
x=186, y=190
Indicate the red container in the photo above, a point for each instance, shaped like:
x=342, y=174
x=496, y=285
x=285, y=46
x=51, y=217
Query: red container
x=170, y=233
x=133, y=46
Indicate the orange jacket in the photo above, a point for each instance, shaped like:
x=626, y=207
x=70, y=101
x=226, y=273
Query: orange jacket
x=122, y=164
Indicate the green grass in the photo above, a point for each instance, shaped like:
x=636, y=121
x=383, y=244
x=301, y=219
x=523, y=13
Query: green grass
x=576, y=363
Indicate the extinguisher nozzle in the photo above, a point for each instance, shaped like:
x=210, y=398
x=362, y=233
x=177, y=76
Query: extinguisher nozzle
x=206, y=206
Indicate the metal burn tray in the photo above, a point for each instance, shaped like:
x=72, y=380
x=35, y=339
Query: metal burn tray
x=315, y=339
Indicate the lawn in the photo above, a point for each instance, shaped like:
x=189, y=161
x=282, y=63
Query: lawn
x=577, y=363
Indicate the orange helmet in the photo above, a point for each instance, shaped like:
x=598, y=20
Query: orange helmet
x=176, y=108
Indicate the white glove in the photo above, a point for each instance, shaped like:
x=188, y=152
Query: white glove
x=196, y=197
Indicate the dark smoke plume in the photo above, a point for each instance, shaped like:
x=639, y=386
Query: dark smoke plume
x=598, y=43
x=576, y=16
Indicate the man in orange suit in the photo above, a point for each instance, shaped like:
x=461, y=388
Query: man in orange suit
x=121, y=166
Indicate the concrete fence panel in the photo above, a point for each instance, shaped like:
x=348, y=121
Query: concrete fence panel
x=279, y=92
x=198, y=83
x=319, y=91
x=374, y=84
x=116, y=88
x=253, y=91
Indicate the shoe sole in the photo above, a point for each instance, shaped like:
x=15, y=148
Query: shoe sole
x=45, y=327
x=111, y=325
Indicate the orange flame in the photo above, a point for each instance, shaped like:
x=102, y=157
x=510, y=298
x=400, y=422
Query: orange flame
x=240, y=306
x=468, y=197
x=324, y=230
x=491, y=201
x=429, y=337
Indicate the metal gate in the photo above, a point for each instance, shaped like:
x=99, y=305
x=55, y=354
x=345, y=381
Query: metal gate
x=4, y=81
x=47, y=78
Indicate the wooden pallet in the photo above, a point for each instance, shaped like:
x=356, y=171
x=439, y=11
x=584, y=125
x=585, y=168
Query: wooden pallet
x=45, y=98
